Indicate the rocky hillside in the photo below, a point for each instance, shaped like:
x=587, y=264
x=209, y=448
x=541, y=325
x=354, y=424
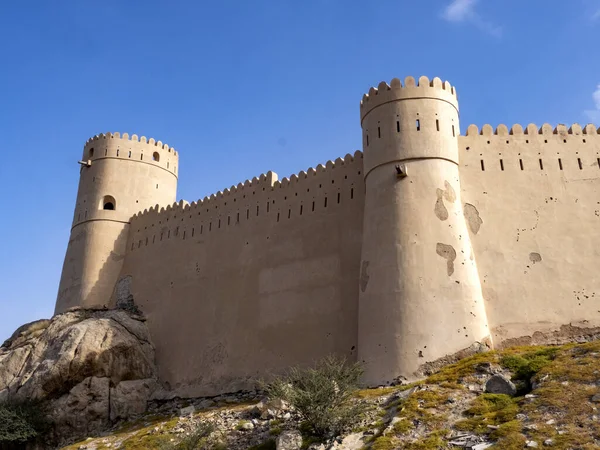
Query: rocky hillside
x=526, y=397
x=86, y=369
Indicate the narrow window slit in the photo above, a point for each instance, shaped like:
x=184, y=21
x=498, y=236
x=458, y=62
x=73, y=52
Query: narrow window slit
x=219, y=225
x=598, y=160
x=541, y=164
x=351, y=193
x=560, y=164
x=228, y=220
x=398, y=126
x=325, y=204
x=501, y=165
x=301, y=209
x=367, y=140
x=184, y=235
x=437, y=124
x=418, y=123
x=378, y=132
x=257, y=210
x=521, y=163
x=289, y=213
x=580, y=163
x=247, y=214
x=192, y=232
x=313, y=205
x=277, y=217
x=482, y=165
x=453, y=132
x=339, y=197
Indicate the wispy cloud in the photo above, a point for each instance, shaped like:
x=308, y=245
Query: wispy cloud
x=594, y=114
x=596, y=15
x=463, y=11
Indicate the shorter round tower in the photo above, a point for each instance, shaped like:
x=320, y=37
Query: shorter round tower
x=420, y=296
x=119, y=177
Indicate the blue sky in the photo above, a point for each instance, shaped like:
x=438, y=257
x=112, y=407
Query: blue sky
x=243, y=87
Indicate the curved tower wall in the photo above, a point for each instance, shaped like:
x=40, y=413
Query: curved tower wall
x=420, y=295
x=129, y=174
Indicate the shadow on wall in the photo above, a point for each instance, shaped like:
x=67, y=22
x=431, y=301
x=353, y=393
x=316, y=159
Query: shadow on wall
x=102, y=291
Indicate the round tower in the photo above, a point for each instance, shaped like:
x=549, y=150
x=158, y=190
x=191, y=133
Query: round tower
x=420, y=296
x=119, y=176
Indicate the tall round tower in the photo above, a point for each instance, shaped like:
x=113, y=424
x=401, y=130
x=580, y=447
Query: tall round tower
x=119, y=176
x=420, y=294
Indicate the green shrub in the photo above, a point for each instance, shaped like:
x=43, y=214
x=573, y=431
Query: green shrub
x=324, y=396
x=21, y=423
x=525, y=366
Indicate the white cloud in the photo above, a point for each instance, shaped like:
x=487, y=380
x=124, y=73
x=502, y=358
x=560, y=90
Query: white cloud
x=460, y=10
x=594, y=114
x=464, y=11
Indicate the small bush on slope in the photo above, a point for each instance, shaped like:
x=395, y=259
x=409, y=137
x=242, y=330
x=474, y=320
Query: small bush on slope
x=324, y=396
x=21, y=423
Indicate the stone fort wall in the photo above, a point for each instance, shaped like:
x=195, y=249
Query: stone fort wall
x=533, y=208
x=258, y=277
x=492, y=234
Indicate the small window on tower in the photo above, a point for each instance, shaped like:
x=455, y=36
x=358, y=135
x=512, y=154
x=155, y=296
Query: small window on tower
x=108, y=203
x=91, y=153
x=155, y=157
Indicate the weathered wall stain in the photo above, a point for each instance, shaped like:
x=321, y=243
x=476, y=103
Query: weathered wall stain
x=364, y=276
x=473, y=219
x=440, y=209
x=448, y=253
x=535, y=257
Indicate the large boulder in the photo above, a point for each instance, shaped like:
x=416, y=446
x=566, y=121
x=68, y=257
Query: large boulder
x=90, y=367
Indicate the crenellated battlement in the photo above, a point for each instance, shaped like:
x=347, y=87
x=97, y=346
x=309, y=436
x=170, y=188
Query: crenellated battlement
x=396, y=91
x=265, y=184
x=117, y=145
x=531, y=129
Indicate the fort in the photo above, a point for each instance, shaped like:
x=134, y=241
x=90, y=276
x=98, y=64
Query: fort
x=426, y=246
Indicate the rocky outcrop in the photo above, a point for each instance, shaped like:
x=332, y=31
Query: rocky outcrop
x=89, y=367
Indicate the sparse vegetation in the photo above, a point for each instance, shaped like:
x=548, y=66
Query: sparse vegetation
x=324, y=396
x=198, y=439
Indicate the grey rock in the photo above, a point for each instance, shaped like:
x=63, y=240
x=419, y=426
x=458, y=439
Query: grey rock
x=499, y=384
x=596, y=398
x=187, y=411
x=71, y=362
x=289, y=440
x=531, y=444
x=549, y=442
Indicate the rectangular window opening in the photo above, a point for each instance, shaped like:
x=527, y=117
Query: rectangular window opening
x=301, y=207
x=257, y=210
x=351, y=193
x=289, y=213
x=247, y=214
x=192, y=232
x=313, y=205
x=325, y=205
x=277, y=217
x=418, y=124
x=453, y=132
x=398, y=126
x=142, y=157
x=482, y=165
x=580, y=163
x=228, y=220
x=201, y=228
x=339, y=197
x=117, y=152
x=378, y=132
x=105, y=152
x=209, y=226
x=560, y=164
x=129, y=155
x=219, y=225
x=598, y=160
x=437, y=124
x=184, y=235
x=237, y=220
x=268, y=206
x=367, y=140
x=541, y=164
x=501, y=165
x=521, y=163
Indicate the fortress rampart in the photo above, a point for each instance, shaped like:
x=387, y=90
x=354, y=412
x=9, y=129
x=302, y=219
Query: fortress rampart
x=427, y=246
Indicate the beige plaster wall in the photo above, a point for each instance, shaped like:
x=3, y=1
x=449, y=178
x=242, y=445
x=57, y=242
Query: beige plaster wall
x=532, y=202
x=420, y=295
x=255, y=279
x=123, y=169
